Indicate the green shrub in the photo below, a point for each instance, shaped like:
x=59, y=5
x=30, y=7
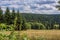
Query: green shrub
x=38, y=26
x=4, y=37
x=41, y=26
x=12, y=36
x=56, y=26
x=28, y=25
x=24, y=37
x=10, y=27
x=3, y=26
x=6, y=27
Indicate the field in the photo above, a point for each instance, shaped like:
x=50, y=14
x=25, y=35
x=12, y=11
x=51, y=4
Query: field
x=46, y=34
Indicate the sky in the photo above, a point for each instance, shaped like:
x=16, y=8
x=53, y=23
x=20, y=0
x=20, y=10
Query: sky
x=31, y=6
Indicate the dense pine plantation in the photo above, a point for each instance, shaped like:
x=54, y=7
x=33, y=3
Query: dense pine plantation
x=23, y=21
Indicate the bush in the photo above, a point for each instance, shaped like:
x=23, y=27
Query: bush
x=26, y=26
x=4, y=37
x=38, y=26
x=41, y=26
x=3, y=26
x=6, y=27
x=56, y=26
x=24, y=37
x=10, y=27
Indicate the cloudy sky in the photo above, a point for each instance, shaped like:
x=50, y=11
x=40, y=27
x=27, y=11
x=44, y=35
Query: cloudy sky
x=31, y=6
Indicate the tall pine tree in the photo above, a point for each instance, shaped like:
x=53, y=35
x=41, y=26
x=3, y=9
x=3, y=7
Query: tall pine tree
x=23, y=24
x=13, y=15
x=1, y=15
x=58, y=6
x=18, y=21
x=7, y=16
x=58, y=9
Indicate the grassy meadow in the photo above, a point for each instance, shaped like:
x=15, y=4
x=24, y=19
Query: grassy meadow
x=42, y=34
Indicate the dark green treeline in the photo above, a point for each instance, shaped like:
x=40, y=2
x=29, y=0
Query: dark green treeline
x=22, y=21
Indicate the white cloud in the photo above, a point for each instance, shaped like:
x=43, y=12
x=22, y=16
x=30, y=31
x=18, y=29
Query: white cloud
x=33, y=6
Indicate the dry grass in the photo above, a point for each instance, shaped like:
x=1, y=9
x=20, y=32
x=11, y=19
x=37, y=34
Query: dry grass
x=47, y=34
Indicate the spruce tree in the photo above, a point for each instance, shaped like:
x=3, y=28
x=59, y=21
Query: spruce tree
x=58, y=6
x=7, y=16
x=13, y=15
x=23, y=24
x=1, y=15
x=18, y=21
x=58, y=9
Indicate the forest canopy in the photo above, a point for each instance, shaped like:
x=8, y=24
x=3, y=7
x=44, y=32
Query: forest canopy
x=22, y=21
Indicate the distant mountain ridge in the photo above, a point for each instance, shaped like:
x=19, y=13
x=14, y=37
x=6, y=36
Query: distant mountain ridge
x=54, y=18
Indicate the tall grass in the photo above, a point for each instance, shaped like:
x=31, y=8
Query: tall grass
x=17, y=36
x=31, y=35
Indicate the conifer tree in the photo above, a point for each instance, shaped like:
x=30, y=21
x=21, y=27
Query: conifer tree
x=59, y=9
x=58, y=6
x=23, y=24
x=13, y=15
x=18, y=22
x=7, y=16
x=1, y=15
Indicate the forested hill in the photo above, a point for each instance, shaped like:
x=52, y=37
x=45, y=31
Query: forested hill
x=44, y=18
